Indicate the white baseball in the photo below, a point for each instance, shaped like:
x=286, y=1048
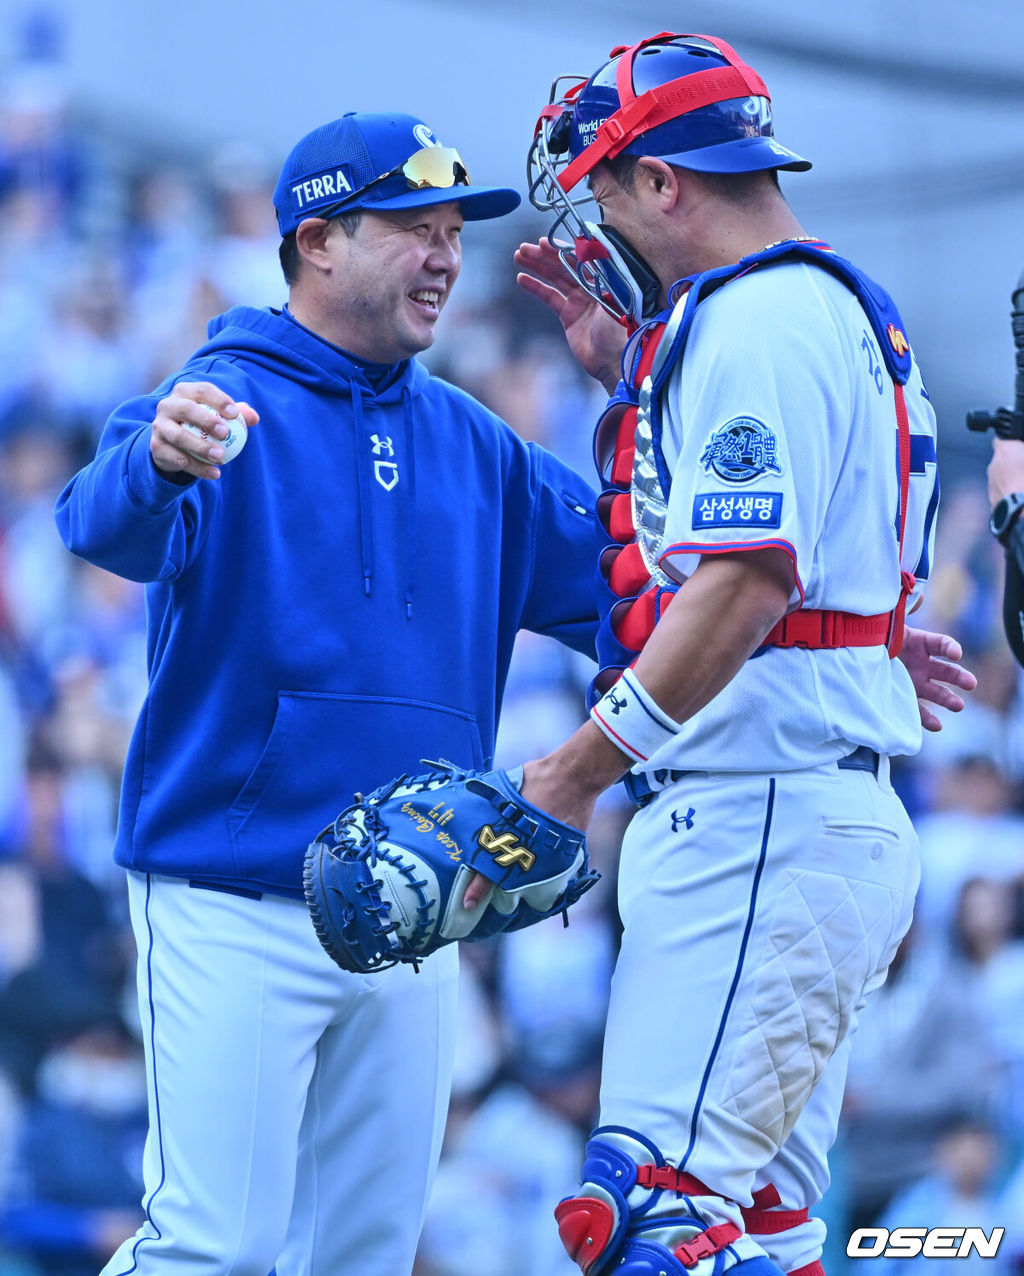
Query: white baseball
x=232, y=445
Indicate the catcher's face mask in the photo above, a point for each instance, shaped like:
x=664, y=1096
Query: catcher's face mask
x=686, y=99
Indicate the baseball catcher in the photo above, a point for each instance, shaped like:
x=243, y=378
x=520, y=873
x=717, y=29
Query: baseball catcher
x=386, y=882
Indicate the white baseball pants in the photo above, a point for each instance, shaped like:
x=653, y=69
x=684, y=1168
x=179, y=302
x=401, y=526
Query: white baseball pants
x=296, y=1110
x=759, y=912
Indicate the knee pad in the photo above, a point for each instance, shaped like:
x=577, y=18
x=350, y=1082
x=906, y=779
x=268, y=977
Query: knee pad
x=593, y=1223
x=610, y=1222
x=643, y=1259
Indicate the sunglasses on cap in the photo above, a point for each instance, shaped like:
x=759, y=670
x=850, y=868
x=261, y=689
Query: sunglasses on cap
x=432, y=168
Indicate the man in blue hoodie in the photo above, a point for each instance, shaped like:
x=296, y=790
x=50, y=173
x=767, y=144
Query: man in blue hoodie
x=336, y=605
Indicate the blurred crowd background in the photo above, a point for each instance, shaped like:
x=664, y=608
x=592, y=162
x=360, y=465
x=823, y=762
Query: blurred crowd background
x=112, y=258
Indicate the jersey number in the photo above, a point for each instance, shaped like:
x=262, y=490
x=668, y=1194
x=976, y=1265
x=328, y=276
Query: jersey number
x=874, y=367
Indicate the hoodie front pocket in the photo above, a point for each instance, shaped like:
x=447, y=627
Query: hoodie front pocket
x=323, y=749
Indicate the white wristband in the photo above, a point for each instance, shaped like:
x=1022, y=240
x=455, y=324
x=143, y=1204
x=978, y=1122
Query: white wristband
x=631, y=719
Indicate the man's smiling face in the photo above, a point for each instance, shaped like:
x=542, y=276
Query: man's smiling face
x=391, y=278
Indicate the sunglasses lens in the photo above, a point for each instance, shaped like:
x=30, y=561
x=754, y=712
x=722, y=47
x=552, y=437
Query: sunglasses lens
x=438, y=166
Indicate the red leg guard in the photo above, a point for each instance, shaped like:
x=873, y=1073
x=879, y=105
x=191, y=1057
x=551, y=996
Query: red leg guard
x=761, y=1219
x=809, y=1269
x=585, y=1225
x=770, y=1222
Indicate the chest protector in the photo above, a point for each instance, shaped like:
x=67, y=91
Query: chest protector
x=634, y=591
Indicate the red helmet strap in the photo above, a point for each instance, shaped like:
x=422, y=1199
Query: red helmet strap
x=663, y=103
x=624, y=71
x=651, y=39
x=627, y=56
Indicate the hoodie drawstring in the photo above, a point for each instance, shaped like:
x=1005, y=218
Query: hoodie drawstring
x=363, y=478
x=410, y=500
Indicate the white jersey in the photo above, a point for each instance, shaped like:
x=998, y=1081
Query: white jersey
x=791, y=441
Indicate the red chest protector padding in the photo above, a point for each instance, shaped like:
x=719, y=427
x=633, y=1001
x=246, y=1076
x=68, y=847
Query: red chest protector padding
x=633, y=619
x=628, y=577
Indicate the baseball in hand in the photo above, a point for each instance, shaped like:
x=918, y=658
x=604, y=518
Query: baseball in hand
x=232, y=445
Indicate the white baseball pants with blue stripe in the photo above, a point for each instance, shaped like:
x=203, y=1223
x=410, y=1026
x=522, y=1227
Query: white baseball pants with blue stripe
x=296, y=1110
x=759, y=913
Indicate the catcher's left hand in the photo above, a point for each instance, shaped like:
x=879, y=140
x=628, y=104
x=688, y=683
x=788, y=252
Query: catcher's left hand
x=385, y=883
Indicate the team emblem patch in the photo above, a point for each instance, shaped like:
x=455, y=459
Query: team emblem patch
x=742, y=450
x=897, y=340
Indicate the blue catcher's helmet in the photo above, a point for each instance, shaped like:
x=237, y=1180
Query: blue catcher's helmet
x=675, y=121
x=686, y=99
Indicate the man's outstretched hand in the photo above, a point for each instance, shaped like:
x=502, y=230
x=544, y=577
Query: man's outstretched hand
x=595, y=338
x=932, y=662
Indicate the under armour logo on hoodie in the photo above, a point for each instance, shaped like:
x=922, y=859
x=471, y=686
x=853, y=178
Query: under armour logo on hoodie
x=385, y=472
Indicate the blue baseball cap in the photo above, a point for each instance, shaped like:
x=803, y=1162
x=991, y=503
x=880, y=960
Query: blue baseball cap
x=378, y=162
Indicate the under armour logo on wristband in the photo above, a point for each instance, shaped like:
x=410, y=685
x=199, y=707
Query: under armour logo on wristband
x=678, y=820
x=641, y=727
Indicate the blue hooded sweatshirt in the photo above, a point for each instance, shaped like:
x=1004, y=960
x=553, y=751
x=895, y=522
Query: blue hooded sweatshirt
x=339, y=605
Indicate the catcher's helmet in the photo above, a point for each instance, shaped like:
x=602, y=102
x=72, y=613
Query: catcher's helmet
x=686, y=99
x=690, y=124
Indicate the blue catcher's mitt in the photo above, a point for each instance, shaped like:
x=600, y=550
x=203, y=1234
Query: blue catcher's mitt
x=386, y=881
